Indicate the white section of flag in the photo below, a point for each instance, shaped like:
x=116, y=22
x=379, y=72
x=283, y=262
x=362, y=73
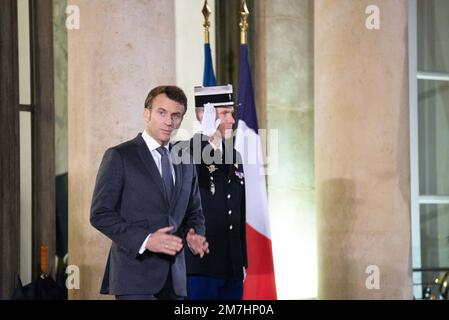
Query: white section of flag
x=250, y=148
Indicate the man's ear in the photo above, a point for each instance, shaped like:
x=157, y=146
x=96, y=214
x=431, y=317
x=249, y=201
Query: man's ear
x=146, y=114
x=200, y=115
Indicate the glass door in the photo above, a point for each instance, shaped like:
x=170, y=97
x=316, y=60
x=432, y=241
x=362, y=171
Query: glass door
x=429, y=100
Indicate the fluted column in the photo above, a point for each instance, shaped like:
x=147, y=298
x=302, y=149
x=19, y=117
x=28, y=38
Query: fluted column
x=362, y=151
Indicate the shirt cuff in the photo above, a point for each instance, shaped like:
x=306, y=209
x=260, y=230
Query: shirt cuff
x=144, y=245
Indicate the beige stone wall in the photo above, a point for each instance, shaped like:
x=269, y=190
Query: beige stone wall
x=362, y=150
x=122, y=49
x=190, y=56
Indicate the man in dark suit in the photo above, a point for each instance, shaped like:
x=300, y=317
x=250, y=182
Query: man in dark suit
x=220, y=274
x=149, y=206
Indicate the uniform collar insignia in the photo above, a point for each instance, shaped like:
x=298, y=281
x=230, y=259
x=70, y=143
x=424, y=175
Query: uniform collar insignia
x=212, y=168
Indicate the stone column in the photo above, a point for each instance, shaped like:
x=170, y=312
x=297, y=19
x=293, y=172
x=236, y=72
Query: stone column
x=282, y=43
x=362, y=151
x=122, y=49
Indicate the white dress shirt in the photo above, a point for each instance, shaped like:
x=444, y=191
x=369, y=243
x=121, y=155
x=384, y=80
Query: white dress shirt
x=152, y=145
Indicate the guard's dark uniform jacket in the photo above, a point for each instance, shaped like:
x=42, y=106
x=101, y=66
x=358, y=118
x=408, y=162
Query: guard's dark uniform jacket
x=222, y=189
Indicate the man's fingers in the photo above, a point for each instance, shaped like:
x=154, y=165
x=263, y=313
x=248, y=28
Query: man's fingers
x=170, y=252
x=198, y=243
x=209, y=111
x=205, y=246
x=209, y=108
x=165, y=243
x=173, y=247
x=171, y=242
x=171, y=238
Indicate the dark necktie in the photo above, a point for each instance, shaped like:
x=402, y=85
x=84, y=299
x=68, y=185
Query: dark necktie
x=167, y=176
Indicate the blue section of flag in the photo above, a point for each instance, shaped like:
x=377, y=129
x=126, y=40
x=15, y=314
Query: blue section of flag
x=246, y=107
x=208, y=76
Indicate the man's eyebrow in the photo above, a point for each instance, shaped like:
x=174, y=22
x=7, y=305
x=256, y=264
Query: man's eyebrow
x=161, y=108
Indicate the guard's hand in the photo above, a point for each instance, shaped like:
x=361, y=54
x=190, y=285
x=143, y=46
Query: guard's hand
x=197, y=243
x=163, y=242
x=209, y=124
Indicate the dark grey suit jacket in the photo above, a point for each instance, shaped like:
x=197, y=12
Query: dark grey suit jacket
x=129, y=202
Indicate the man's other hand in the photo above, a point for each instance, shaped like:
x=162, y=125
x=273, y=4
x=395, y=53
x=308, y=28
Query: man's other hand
x=197, y=243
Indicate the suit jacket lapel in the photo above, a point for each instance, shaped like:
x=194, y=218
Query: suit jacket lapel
x=150, y=165
x=178, y=183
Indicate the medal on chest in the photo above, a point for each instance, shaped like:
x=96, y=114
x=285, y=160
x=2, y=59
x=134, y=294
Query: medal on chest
x=239, y=174
x=212, y=168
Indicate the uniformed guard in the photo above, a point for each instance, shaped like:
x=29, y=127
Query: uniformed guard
x=220, y=274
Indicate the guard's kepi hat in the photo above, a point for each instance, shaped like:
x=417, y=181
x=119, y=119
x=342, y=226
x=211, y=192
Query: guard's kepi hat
x=218, y=96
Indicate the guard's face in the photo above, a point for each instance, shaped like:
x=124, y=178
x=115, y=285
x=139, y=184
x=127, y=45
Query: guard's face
x=164, y=117
x=227, y=121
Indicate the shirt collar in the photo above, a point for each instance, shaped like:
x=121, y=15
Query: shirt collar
x=215, y=147
x=151, y=143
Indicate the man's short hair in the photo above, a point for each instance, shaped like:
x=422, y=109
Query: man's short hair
x=172, y=92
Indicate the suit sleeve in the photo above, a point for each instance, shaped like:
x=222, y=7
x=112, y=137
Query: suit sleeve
x=194, y=215
x=105, y=210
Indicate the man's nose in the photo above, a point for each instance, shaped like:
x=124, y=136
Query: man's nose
x=168, y=121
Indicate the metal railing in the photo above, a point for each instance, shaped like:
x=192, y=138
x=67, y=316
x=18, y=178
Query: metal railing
x=435, y=283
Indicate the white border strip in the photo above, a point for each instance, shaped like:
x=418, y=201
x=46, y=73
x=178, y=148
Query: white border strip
x=414, y=148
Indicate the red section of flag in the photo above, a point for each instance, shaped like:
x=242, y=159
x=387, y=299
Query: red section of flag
x=259, y=283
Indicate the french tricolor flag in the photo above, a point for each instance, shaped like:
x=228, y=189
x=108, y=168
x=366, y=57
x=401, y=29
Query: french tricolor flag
x=260, y=282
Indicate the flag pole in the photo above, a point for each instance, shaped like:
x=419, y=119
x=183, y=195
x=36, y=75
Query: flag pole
x=208, y=75
x=206, y=13
x=244, y=13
